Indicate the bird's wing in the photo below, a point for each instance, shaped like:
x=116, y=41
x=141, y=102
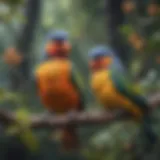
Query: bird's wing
x=78, y=84
x=129, y=89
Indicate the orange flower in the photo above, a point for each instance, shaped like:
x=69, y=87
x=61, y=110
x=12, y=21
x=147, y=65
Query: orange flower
x=136, y=41
x=128, y=6
x=133, y=37
x=12, y=57
x=153, y=9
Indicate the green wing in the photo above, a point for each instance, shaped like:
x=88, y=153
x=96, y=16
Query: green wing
x=129, y=89
x=77, y=82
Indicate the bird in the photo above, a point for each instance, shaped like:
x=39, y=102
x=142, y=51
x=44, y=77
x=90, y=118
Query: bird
x=114, y=89
x=59, y=87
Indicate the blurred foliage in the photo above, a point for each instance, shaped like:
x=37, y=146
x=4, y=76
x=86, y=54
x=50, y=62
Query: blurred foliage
x=13, y=2
x=85, y=22
x=104, y=146
x=22, y=129
x=141, y=32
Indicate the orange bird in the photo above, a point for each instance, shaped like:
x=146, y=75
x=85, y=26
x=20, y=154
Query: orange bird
x=59, y=89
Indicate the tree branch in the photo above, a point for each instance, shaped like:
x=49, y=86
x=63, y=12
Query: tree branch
x=80, y=118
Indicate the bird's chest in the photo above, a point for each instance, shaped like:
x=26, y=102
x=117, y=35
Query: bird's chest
x=55, y=88
x=104, y=89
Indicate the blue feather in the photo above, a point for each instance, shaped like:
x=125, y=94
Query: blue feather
x=100, y=51
x=58, y=35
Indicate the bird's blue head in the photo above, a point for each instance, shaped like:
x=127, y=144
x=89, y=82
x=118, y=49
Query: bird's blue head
x=58, y=35
x=100, y=57
x=58, y=43
x=100, y=51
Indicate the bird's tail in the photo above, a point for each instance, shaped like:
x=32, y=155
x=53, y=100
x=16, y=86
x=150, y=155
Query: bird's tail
x=70, y=138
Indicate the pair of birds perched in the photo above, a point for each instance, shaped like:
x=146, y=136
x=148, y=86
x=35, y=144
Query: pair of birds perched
x=61, y=93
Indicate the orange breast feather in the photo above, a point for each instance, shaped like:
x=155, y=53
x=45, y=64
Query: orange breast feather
x=55, y=88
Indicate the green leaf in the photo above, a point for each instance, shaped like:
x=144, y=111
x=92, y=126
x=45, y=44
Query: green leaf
x=22, y=116
x=22, y=128
x=30, y=140
x=126, y=29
